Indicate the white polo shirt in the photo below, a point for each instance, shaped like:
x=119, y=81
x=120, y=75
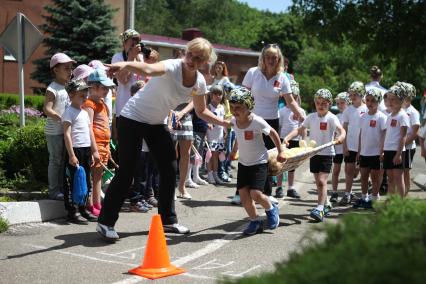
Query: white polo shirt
x=266, y=92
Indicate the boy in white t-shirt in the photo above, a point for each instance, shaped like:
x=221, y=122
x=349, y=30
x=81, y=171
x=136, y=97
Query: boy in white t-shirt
x=322, y=125
x=351, y=123
x=371, y=138
x=288, y=122
x=342, y=102
x=410, y=143
x=397, y=125
x=81, y=145
x=253, y=159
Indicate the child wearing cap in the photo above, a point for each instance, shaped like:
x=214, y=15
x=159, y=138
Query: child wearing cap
x=342, y=102
x=95, y=106
x=215, y=133
x=322, y=125
x=81, y=146
x=410, y=143
x=288, y=122
x=351, y=123
x=55, y=102
x=371, y=137
x=253, y=159
x=397, y=125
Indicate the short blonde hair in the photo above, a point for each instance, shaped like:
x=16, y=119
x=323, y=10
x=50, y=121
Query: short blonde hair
x=204, y=46
x=268, y=49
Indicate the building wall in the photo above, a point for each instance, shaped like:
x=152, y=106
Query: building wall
x=33, y=10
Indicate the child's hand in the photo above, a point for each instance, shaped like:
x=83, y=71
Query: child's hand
x=115, y=68
x=281, y=158
x=423, y=153
x=95, y=158
x=382, y=157
x=210, y=126
x=285, y=142
x=233, y=155
x=73, y=161
x=397, y=159
x=345, y=152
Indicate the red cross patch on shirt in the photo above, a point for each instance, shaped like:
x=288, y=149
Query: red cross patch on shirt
x=248, y=135
x=373, y=123
x=323, y=125
x=393, y=122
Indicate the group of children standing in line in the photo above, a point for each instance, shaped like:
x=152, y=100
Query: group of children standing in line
x=378, y=138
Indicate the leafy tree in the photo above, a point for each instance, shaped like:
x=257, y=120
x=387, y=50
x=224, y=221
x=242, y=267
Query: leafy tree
x=80, y=28
x=391, y=30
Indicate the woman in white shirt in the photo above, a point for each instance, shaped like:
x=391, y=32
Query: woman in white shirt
x=173, y=82
x=268, y=82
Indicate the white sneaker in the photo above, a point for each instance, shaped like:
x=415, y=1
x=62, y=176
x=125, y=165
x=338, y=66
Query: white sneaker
x=176, y=228
x=273, y=199
x=200, y=181
x=185, y=195
x=107, y=233
x=189, y=183
x=236, y=200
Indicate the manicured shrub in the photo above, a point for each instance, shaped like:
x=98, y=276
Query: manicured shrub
x=386, y=247
x=33, y=101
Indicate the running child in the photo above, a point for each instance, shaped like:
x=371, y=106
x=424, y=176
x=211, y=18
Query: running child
x=397, y=125
x=288, y=122
x=342, y=102
x=81, y=145
x=253, y=159
x=322, y=125
x=371, y=139
x=351, y=123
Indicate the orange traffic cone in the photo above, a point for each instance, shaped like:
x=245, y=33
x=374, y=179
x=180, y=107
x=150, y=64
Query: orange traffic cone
x=156, y=262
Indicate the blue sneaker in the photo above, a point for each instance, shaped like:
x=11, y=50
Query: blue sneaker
x=273, y=217
x=327, y=209
x=254, y=227
x=317, y=215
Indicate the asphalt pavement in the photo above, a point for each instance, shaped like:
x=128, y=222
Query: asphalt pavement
x=59, y=252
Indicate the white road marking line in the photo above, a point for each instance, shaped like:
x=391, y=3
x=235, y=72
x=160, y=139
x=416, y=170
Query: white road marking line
x=217, y=244
x=82, y=256
x=132, y=255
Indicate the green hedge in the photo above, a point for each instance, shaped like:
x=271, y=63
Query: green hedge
x=23, y=153
x=386, y=247
x=8, y=100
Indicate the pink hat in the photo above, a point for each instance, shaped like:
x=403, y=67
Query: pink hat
x=97, y=64
x=60, y=58
x=82, y=72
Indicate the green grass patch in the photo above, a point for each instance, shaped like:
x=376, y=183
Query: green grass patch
x=386, y=247
x=6, y=199
x=3, y=225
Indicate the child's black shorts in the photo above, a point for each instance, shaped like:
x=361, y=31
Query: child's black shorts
x=293, y=144
x=253, y=177
x=351, y=158
x=388, y=160
x=320, y=164
x=409, y=155
x=338, y=158
x=372, y=162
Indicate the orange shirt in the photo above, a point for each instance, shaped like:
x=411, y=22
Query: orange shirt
x=100, y=121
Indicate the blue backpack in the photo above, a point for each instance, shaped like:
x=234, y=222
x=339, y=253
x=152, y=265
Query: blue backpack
x=79, y=190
